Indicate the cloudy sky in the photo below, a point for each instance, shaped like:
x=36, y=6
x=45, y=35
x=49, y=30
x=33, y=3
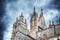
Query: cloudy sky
x=11, y=9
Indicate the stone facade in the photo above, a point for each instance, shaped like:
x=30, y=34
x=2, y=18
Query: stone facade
x=38, y=29
x=51, y=33
x=20, y=31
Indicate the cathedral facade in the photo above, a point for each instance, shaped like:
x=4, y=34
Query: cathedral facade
x=38, y=29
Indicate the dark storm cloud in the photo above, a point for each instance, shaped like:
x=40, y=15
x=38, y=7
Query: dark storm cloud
x=2, y=13
x=57, y=4
x=11, y=0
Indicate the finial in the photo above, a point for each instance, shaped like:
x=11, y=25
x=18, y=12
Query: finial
x=34, y=8
x=34, y=11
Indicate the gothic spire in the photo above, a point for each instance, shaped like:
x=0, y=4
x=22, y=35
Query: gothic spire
x=41, y=12
x=34, y=8
x=34, y=13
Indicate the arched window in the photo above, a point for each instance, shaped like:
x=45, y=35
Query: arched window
x=45, y=37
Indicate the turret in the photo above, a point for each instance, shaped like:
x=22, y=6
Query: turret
x=41, y=12
x=15, y=24
x=34, y=24
x=41, y=20
x=34, y=20
x=14, y=29
x=51, y=24
x=21, y=17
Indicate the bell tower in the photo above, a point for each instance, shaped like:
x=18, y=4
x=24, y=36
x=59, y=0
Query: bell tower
x=33, y=24
x=34, y=21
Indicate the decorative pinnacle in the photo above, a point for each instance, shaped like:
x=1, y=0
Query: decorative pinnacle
x=34, y=8
x=41, y=10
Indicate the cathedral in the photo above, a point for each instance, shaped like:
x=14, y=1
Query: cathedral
x=38, y=29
